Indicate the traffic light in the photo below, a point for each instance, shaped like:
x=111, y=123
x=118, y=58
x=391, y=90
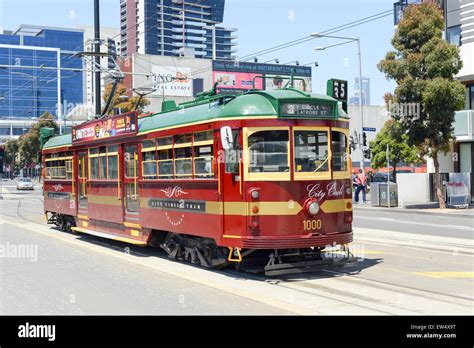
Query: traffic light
x=367, y=154
x=352, y=144
x=364, y=139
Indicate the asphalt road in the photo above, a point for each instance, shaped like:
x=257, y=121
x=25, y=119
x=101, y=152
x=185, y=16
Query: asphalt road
x=407, y=265
x=411, y=222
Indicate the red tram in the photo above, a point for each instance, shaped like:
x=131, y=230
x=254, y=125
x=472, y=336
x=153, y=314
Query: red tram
x=261, y=179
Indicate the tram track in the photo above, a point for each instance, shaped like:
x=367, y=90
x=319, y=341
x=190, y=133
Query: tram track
x=299, y=286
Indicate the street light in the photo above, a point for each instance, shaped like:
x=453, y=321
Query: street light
x=361, y=116
x=295, y=62
x=272, y=60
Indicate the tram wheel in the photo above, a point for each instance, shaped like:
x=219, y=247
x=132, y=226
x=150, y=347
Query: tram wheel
x=173, y=245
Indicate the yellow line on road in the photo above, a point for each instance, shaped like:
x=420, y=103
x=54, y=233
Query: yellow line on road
x=4, y=190
x=440, y=275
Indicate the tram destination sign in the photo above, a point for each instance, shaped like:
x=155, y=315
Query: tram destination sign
x=106, y=128
x=306, y=110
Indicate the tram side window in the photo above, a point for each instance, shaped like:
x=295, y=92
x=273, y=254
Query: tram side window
x=183, y=162
x=94, y=162
x=149, y=159
x=56, y=166
x=69, y=169
x=165, y=164
x=339, y=151
x=112, y=162
x=268, y=151
x=311, y=151
x=203, y=158
x=104, y=162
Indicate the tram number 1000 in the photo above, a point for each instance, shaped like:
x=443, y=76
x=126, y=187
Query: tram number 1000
x=311, y=225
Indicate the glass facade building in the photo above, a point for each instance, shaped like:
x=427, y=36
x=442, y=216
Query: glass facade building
x=30, y=84
x=176, y=28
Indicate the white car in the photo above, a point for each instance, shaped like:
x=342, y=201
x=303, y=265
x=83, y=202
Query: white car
x=24, y=184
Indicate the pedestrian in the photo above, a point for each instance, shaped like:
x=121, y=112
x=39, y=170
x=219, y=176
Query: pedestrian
x=361, y=182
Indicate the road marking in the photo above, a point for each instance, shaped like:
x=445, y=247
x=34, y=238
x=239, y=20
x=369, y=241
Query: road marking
x=440, y=275
x=358, y=252
x=4, y=190
x=458, y=227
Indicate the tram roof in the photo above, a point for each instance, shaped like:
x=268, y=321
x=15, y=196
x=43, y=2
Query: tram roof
x=252, y=103
x=58, y=141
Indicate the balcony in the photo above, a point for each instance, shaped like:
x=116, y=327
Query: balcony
x=464, y=125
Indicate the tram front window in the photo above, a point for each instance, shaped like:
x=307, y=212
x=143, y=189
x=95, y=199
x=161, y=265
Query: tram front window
x=339, y=152
x=268, y=151
x=311, y=151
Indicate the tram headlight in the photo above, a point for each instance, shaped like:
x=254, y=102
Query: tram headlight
x=312, y=208
x=255, y=194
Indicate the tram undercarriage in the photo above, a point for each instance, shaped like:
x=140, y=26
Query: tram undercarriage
x=205, y=252
x=271, y=262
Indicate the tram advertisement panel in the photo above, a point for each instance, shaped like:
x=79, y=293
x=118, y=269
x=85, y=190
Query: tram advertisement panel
x=115, y=126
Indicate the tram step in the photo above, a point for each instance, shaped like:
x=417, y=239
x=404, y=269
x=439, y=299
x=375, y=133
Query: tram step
x=109, y=236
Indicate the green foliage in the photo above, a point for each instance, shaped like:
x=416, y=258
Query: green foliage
x=423, y=65
x=11, y=151
x=29, y=144
x=122, y=101
x=392, y=134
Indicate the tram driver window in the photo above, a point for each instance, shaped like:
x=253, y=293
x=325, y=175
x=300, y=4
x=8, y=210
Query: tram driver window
x=339, y=151
x=311, y=151
x=268, y=151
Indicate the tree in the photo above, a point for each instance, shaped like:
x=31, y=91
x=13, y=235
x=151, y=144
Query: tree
x=122, y=101
x=29, y=143
x=392, y=134
x=426, y=96
x=10, y=154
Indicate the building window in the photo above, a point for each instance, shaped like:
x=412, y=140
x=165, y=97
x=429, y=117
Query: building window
x=453, y=35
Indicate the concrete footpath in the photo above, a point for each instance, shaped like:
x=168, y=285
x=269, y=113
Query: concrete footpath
x=419, y=208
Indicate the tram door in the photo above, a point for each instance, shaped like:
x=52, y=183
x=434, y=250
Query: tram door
x=82, y=190
x=130, y=180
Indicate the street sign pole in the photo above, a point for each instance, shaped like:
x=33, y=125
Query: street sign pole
x=388, y=175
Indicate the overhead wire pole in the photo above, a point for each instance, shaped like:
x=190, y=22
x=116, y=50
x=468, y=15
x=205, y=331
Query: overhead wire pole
x=97, y=95
x=361, y=114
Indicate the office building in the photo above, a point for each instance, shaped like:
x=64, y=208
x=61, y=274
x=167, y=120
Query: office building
x=365, y=92
x=31, y=82
x=176, y=28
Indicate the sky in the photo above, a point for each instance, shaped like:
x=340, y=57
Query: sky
x=261, y=24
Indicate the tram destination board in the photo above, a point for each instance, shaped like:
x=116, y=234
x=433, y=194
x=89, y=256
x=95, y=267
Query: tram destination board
x=106, y=128
x=306, y=110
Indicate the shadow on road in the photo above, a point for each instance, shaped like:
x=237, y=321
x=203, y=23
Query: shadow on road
x=138, y=251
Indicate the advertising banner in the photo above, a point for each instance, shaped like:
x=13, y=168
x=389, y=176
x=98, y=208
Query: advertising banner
x=459, y=189
x=172, y=81
x=106, y=128
x=237, y=76
x=277, y=82
x=236, y=80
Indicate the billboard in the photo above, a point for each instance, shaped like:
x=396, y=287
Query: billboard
x=235, y=81
x=172, y=81
x=106, y=128
x=233, y=76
